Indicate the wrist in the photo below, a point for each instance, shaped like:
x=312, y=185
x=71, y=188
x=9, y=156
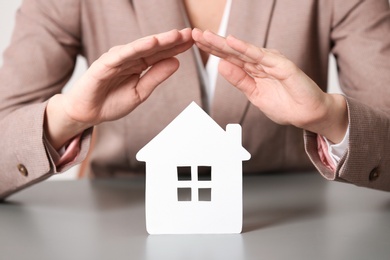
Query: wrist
x=333, y=123
x=59, y=127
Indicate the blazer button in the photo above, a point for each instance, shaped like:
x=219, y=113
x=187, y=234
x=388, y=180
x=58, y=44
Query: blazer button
x=374, y=174
x=22, y=169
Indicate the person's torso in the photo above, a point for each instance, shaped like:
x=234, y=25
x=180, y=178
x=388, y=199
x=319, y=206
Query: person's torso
x=295, y=28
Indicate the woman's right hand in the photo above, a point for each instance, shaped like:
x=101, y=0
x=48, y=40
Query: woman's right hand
x=115, y=84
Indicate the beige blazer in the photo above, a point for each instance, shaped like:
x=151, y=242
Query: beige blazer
x=49, y=34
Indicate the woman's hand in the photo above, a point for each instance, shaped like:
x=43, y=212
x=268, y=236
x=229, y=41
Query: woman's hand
x=115, y=84
x=277, y=86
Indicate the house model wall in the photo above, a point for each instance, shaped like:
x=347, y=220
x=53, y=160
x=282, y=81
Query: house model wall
x=194, y=176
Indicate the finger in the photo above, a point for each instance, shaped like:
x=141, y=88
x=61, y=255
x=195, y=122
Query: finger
x=155, y=76
x=272, y=61
x=162, y=55
x=247, y=51
x=221, y=55
x=197, y=34
x=256, y=71
x=201, y=42
x=237, y=77
x=140, y=65
x=220, y=44
x=214, y=43
x=252, y=57
x=147, y=46
x=198, y=37
x=265, y=57
x=205, y=46
x=274, y=51
x=163, y=41
x=217, y=45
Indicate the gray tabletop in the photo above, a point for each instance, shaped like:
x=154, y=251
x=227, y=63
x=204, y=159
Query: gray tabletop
x=286, y=216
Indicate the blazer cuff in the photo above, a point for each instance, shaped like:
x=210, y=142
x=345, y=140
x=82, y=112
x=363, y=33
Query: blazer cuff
x=365, y=162
x=74, y=152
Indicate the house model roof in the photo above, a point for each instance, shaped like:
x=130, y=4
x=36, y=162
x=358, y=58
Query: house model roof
x=194, y=135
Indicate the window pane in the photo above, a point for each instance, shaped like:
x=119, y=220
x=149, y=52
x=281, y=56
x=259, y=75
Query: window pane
x=184, y=194
x=204, y=173
x=205, y=194
x=184, y=173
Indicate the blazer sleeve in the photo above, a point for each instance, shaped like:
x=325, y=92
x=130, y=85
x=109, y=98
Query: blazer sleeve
x=361, y=44
x=37, y=64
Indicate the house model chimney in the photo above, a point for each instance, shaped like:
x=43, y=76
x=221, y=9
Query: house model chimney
x=233, y=132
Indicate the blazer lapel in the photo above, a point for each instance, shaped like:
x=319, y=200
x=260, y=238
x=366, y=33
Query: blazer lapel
x=230, y=105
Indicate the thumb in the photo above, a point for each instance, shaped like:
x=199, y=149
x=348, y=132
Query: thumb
x=237, y=77
x=157, y=74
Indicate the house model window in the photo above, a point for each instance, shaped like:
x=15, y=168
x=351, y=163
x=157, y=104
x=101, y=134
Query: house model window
x=194, y=176
x=194, y=183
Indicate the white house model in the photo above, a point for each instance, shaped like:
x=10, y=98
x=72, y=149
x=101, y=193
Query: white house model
x=194, y=176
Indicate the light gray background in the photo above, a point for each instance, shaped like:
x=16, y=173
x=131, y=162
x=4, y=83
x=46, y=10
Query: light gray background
x=7, y=13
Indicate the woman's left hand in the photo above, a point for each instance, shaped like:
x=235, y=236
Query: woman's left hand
x=277, y=86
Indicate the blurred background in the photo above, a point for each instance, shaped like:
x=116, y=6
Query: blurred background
x=7, y=14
